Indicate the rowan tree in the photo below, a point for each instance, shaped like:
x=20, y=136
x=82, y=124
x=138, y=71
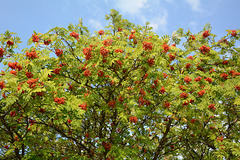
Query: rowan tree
x=123, y=93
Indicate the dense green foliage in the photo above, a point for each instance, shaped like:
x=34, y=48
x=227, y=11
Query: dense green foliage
x=123, y=93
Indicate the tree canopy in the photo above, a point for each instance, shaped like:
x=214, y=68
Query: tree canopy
x=122, y=93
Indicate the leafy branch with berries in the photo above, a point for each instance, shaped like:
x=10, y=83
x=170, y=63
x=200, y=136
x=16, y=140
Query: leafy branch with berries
x=122, y=93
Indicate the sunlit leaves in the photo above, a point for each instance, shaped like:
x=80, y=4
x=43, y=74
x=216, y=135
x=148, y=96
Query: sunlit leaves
x=107, y=94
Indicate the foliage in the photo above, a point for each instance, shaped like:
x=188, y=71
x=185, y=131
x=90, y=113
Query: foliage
x=123, y=93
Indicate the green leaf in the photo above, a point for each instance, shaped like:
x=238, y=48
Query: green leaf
x=237, y=100
x=44, y=74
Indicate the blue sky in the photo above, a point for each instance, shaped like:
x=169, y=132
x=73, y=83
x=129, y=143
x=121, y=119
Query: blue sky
x=165, y=16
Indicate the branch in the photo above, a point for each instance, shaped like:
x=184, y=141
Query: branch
x=71, y=49
x=160, y=145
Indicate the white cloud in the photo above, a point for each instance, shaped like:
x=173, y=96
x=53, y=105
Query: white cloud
x=142, y=10
x=132, y=7
x=193, y=25
x=195, y=5
x=96, y=24
x=160, y=22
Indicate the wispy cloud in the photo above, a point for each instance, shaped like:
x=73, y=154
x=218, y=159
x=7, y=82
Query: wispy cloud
x=160, y=22
x=195, y=5
x=132, y=7
x=193, y=26
x=96, y=24
x=142, y=10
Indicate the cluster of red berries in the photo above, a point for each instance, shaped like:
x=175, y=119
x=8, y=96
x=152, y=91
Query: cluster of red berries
x=32, y=54
x=2, y=85
x=120, y=99
x=198, y=79
x=59, y=100
x=171, y=57
x=13, y=113
x=233, y=33
x=29, y=74
x=41, y=110
x=209, y=79
x=147, y=46
x=166, y=48
x=224, y=75
x=162, y=90
x=32, y=83
x=205, y=34
x=192, y=37
x=107, y=42
x=101, y=32
x=201, y=93
x=150, y=61
x=204, y=49
x=184, y=95
x=87, y=73
x=133, y=119
x=212, y=107
x=100, y=73
x=10, y=43
x=142, y=101
x=35, y=38
x=118, y=50
x=1, y=52
x=106, y=145
x=112, y=104
x=13, y=72
x=57, y=70
x=87, y=52
x=188, y=65
x=120, y=63
x=83, y=106
x=15, y=66
x=47, y=42
x=75, y=35
x=166, y=104
x=187, y=79
x=58, y=52
x=104, y=52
